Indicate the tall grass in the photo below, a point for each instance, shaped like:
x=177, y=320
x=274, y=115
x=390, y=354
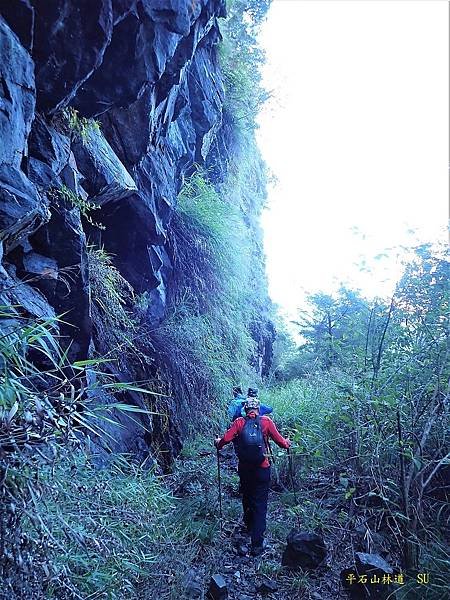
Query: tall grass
x=206, y=338
x=113, y=533
x=210, y=247
x=45, y=413
x=124, y=532
x=120, y=333
x=106, y=525
x=303, y=405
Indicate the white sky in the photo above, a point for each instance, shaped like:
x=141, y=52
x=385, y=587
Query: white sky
x=357, y=135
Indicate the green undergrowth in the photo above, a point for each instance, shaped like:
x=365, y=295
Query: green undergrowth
x=346, y=474
x=46, y=409
x=103, y=526
x=117, y=532
x=122, y=532
x=206, y=339
x=309, y=413
x=336, y=496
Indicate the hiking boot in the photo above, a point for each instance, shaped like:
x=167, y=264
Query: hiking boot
x=259, y=549
x=242, y=550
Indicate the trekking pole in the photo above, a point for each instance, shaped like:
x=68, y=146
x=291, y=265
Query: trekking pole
x=291, y=470
x=277, y=477
x=220, y=490
x=269, y=448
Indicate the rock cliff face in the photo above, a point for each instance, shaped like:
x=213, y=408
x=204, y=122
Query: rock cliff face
x=147, y=71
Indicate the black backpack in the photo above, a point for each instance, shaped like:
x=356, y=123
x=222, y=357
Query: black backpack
x=250, y=442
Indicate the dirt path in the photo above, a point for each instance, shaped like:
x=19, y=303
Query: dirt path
x=244, y=574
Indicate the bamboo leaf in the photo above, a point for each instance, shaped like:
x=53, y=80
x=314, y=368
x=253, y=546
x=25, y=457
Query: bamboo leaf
x=13, y=410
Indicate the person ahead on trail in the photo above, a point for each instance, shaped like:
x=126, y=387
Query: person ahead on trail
x=251, y=434
x=236, y=408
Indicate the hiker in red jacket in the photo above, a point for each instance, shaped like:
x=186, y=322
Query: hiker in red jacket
x=254, y=466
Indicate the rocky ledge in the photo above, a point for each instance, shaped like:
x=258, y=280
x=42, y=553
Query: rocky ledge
x=112, y=103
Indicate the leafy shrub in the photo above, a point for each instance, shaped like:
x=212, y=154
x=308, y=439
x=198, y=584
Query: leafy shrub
x=376, y=402
x=240, y=58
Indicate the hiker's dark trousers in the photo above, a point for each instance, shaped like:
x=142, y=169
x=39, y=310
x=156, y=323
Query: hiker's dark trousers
x=255, y=492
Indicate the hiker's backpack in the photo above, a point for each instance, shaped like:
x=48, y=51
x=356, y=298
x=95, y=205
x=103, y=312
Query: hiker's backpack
x=250, y=442
x=236, y=408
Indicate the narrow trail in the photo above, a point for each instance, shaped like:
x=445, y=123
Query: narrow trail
x=245, y=574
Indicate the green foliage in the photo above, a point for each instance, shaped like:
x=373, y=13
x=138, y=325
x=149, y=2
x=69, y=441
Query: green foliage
x=42, y=394
x=210, y=248
x=46, y=408
x=309, y=412
x=122, y=532
x=205, y=339
x=348, y=332
x=240, y=59
x=336, y=329
x=111, y=293
x=213, y=250
x=370, y=395
x=40, y=389
x=117, y=532
x=80, y=126
x=105, y=524
x=19, y=377
x=85, y=206
x=201, y=361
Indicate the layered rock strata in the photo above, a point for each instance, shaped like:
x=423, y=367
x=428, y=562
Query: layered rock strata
x=147, y=71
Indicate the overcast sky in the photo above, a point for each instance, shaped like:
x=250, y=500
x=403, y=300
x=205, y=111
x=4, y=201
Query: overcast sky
x=357, y=135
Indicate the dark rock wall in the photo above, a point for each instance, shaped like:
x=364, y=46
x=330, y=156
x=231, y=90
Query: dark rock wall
x=148, y=71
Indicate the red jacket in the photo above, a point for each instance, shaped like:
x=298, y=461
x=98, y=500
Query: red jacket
x=268, y=429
